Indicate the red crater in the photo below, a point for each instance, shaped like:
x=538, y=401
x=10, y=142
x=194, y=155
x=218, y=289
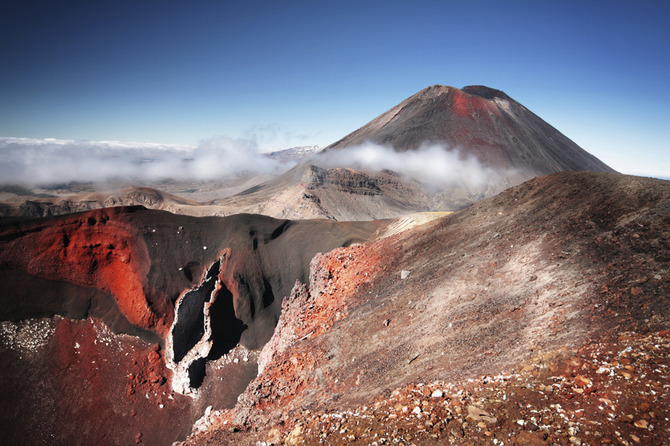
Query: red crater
x=98, y=249
x=473, y=107
x=75, y=286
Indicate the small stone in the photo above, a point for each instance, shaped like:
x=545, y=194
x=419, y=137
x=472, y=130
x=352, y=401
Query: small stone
x=590, y=390
x=582, y=381
x=404, y=274
x=476, y=414
x=642, y=424
x=154, y=377
x=437, y=394
x=635, y=438
x=295, y=436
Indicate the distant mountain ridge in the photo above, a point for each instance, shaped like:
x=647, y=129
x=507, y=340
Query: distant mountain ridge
x=295, y=154
x=481, y=121
x=499, y=142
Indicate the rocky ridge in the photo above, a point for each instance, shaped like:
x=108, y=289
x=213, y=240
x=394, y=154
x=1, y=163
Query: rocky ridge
x=539, y=316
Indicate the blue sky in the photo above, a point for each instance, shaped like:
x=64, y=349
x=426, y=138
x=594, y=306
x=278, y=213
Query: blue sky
x=307, y=72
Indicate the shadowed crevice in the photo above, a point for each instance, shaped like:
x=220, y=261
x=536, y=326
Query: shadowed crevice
x=189, y=325
x=226, y=328
x=196, y=372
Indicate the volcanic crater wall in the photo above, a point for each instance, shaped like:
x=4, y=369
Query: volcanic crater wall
x=203, y=285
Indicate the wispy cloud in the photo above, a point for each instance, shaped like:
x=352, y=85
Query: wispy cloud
x=49, y=161
x=434, y=165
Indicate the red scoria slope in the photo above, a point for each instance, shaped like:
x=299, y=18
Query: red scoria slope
x=67, y=279
x=98, y=249
x=539, y=316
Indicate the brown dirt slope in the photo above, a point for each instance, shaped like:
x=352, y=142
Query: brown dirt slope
x=546, y=304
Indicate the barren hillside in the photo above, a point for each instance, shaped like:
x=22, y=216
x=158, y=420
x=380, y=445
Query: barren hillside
x=539, y=316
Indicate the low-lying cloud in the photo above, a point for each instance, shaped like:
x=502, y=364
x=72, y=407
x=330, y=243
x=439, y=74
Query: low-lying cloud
x=434, y=165
x=53, y=161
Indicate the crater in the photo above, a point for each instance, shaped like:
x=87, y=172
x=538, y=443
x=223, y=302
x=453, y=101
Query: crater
x=205, y=328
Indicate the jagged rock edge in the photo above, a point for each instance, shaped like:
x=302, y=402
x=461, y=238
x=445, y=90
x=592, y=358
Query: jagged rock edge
x=181, y=379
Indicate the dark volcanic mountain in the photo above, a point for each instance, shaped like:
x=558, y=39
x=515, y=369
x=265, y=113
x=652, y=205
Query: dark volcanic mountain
x=510, y=143
x=484, y=122
x=500, y=144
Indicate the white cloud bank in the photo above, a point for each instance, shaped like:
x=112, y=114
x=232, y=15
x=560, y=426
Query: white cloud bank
x=434, y=165
x=52, y=161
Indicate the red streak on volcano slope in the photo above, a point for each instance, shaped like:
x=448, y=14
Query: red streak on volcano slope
x=97, y=249
x=469, y=106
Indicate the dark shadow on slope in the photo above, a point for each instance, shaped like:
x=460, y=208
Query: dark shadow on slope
x=196, y=372
x=226, y=328
x=25, y=296
x=190, y=322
